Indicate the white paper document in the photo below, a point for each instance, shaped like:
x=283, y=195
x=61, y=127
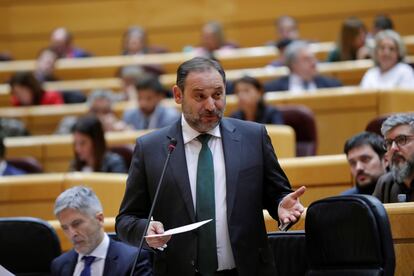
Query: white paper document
x=181, y=229
x=5, y=272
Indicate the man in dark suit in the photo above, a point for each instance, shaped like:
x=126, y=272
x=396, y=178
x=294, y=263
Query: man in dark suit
x=222, y=169
x=80, y=214
x=303, y=72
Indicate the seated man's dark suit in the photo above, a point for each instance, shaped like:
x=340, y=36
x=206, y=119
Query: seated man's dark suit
x=282, y=84
x=254, y=181
x=119, y=260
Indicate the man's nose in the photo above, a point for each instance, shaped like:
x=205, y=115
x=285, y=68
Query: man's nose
x=209, y=104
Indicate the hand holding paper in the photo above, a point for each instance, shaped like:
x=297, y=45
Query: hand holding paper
x=181, y=229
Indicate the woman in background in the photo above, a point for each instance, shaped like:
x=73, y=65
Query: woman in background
x=390, y=70
x=351, y=43
x=26, y=91
x=252, y=107
x=91, y=154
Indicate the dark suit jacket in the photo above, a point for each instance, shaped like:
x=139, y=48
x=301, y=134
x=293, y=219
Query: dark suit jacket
x=254, y=181
x=119, y=261
x=282, y=84
x=12, y=170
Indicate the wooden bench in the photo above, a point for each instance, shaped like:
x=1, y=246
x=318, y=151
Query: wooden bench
x=55, y=152
x=102, y=36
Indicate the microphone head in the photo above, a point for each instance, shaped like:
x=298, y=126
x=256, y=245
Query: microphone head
x=172, y=144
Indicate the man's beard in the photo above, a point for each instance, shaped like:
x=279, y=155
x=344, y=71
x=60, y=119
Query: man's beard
x=402, y=170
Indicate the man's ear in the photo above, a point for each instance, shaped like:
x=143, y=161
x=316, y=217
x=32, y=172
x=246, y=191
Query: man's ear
x=178, y=94
x=100, y=217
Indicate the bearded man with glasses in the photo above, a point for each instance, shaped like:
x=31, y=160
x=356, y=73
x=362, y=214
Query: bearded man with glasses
x=398, y=184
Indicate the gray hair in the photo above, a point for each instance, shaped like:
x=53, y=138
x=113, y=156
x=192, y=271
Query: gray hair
x=292, y=50
x=396, y=120
x=394, y=36
x=100, y=94
x=80, y=198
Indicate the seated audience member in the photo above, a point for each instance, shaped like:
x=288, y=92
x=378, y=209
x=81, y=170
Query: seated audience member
x=12, y=128
x=398, y=184
x=81, y=217
x=135, y=42
x=252, y=107
x=100, y=104
x=61, y=41
x=351, y=42
x=45, y=65
x=365, y=153
x=286, y=28
x=129, y=76
x=390, y=70
x=381, y=23
x=89, y=145
x=281, y=46
x=213, y=39
x=303, y=72
x=150, y=113
x=5, y=168
x=26, y=91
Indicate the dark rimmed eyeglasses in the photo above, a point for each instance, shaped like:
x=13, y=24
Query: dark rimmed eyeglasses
x=400, y=140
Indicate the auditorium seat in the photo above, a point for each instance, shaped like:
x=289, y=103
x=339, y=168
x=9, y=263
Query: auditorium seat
x=375, y=124
x=289, y=251
x=125, y=151
x=302, y=120
x=27, y=164
x=349, y=235
x=27, y=245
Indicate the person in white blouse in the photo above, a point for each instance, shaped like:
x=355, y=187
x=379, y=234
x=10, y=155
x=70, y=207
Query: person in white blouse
x=390, y=70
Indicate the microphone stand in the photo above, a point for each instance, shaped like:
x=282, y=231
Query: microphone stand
x=171, y=147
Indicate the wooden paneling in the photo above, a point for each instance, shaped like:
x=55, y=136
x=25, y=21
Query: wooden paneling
x=98, y=25
x=55, y=152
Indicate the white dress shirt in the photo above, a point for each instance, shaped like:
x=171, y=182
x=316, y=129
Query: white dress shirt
x=296, y=85
x=192, y=148
x=97, y=267
x=399, y=76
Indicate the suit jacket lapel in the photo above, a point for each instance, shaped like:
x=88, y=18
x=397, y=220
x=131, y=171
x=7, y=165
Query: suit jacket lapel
x=69, y=267
x=232, y=153
x=111, y=260
x=178, y=167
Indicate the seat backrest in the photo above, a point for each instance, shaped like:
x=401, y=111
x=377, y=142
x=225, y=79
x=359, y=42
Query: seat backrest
x=289, y=251
x=125, y=151
x=375, y=124
x=302, y=120
x=27, y=245
x=349, y=235
x=27, y=164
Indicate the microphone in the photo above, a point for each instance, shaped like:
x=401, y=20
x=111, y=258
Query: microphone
x=171, y=147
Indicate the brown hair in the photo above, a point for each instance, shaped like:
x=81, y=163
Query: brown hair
x=350, y=30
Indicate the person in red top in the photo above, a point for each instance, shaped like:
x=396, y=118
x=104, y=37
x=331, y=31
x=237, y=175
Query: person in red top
x=26, y=91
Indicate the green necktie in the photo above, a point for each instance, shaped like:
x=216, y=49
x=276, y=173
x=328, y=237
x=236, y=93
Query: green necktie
x=205, y=209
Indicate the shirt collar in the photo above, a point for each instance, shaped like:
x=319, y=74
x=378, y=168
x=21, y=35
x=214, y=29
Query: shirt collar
x=100, y=251
x=190, y=134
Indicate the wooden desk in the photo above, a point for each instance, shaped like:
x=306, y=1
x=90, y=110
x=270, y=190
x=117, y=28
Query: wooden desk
x=55, y=152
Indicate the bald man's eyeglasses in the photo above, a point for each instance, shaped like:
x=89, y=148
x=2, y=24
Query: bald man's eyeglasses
x=400, y=141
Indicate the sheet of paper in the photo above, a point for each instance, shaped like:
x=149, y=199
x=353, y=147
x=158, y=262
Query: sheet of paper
x=181, y=229
x=5, y=272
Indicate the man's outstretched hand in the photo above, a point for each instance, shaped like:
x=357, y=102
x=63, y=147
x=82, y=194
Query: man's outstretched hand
x=290, y=209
